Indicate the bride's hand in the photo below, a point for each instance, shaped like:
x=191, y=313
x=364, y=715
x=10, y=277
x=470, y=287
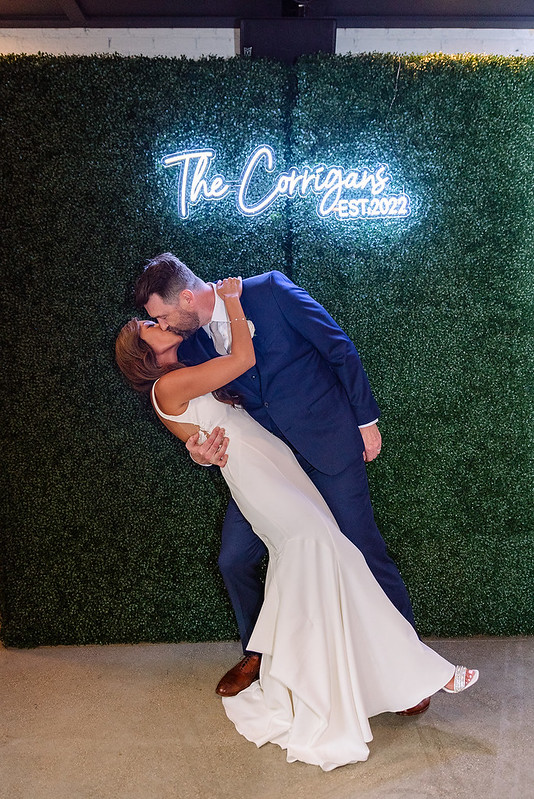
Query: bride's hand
x=229, y=287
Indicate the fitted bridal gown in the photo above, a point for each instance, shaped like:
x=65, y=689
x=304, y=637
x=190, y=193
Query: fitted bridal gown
x=335, y=650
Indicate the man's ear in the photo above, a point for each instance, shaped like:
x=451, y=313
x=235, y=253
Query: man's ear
x=187, y=297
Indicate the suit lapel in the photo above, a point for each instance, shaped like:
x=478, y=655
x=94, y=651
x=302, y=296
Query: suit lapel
x=197, y=349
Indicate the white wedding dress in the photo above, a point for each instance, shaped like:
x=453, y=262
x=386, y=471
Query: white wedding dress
x=335, y=650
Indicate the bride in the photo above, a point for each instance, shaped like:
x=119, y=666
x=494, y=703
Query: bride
x=335, y=651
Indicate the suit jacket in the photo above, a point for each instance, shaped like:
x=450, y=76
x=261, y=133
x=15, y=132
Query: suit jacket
x=308, y=378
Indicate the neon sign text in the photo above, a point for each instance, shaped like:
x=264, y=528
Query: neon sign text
x=346, y=194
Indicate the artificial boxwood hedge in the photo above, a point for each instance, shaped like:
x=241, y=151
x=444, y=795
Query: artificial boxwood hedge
x=110, y=533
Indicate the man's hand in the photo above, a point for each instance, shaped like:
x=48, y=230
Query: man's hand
x=372, y=441
x=212, y=451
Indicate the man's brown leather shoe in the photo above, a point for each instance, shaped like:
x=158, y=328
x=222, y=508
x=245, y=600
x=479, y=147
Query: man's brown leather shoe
x=417, y=709
x=240, y=677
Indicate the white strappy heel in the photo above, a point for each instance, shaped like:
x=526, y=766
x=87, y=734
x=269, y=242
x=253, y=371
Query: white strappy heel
x=460, y=680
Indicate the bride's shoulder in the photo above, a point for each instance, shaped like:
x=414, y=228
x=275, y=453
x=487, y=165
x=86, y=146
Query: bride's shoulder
x=165, y=394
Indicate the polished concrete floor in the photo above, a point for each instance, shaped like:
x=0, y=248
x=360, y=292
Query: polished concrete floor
x=143, y=722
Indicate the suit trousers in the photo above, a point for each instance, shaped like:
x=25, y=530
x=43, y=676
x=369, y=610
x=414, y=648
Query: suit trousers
x=347, y=495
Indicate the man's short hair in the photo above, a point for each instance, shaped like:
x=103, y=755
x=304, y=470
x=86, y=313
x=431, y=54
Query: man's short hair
x=167, y=276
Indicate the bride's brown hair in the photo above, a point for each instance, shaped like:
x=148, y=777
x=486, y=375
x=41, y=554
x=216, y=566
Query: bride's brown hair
x=137, y=360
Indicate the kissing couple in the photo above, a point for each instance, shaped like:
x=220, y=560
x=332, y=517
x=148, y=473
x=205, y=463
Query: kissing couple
x=288, y=414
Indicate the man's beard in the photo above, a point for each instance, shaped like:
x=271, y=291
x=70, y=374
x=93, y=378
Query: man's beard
x=190, y=324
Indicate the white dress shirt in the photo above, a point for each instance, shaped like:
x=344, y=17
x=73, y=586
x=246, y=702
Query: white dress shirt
x=219, y=317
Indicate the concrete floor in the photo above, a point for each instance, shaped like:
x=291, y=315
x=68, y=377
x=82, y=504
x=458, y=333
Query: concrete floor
x=143, y=722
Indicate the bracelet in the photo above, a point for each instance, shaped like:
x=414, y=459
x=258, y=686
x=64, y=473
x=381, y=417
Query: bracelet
x=239, y=319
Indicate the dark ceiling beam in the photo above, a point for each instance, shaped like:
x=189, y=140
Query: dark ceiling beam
x=437, y=21
x=74, y=13
x=119, y=22
x=231, y=22
x=388, y=14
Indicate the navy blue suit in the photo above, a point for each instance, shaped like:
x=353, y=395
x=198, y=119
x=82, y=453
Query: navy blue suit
x=309, y=388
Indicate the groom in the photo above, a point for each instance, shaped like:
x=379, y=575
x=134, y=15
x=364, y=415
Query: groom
x=309, y=388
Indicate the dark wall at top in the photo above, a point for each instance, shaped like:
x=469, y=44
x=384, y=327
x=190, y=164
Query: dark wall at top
x=229, y=13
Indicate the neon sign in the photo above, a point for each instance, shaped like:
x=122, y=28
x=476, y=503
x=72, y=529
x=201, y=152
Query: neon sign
x=345, y=194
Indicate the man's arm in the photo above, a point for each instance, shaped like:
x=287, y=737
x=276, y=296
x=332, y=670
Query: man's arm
x=212, y=451
x=312, y=321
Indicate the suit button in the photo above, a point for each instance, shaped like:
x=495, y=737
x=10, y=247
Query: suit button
x=266, y=404
x=253, y=377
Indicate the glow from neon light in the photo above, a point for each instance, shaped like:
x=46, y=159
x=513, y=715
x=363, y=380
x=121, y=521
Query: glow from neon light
x=264, y=152
x=335, y=186
x=193, y=187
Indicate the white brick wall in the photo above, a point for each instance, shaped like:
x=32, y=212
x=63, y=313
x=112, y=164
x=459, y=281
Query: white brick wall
x=491, y=41
x=197, y=42
x=190, y=42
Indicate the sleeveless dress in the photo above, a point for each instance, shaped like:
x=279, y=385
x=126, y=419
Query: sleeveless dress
x=335, y=651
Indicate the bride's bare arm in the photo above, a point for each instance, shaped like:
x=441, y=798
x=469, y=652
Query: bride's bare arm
x=176, y=388
x=214, y=446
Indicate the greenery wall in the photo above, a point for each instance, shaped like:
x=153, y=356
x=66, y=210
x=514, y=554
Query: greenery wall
x=110, y=533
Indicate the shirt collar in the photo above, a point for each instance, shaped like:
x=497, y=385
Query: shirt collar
x=219, y=310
